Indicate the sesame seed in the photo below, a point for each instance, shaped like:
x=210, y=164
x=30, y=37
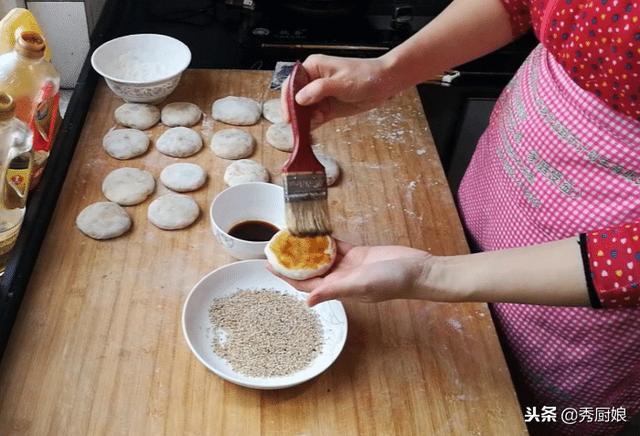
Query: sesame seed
x=265, y=333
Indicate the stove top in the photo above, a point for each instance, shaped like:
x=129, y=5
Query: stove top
x=361, y=36
x=375, y=32
x=267, y=36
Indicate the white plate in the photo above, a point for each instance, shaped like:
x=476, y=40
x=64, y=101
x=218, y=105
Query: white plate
x=252, y=274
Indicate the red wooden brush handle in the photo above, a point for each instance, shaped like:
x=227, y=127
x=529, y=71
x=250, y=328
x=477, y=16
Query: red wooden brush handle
x=302, y=158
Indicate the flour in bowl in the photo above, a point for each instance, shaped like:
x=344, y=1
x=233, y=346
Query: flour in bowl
x=131, y=66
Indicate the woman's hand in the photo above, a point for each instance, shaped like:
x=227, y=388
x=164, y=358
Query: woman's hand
x=465, y=30
x=551, y=274
x=342, y=86
x=368, y=274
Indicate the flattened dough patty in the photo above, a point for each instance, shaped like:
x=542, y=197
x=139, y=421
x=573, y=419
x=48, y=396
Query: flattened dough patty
x=128, y=186
x=179, y=142
x=280, y=136
x=103, y=220
x=125, y=143
x=245, y=171
x=137, y=115
x=238, y=111
x=183, y=177
x=232, y=144
x=180, y=114
x=331, y=167
x=300, y=258
x=173, y=211
x=272, y=111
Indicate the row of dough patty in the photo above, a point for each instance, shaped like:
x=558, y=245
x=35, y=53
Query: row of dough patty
x=129, y=186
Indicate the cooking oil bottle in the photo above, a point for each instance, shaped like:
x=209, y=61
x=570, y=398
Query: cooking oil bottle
x=15, y=173
x=15, y=22
x=34, y=84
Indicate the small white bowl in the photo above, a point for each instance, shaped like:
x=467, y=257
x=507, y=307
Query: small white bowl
x=252, y=274
x=246, y=202
x=142, y=68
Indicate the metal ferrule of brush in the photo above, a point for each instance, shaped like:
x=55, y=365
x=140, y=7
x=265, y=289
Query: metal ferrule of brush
x=305, y=187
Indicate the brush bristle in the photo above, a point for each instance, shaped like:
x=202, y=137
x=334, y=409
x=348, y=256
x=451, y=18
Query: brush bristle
x=308, y=218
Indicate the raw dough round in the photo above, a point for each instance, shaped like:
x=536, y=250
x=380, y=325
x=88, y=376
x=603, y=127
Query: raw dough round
x=173, y=211
x=125, y=143
x=128, y=186
x=137, y=115
x=239, y=111
x=272, y=111
x=300, y=258
x=245, y=171
x=180, y=114
x=280, y=136
x=179, y=142
x=183, y=177
x=232, y=144
x=103, y=220
x=331, y=167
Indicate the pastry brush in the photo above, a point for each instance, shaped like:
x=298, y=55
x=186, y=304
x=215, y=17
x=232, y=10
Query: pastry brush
x=304, y=178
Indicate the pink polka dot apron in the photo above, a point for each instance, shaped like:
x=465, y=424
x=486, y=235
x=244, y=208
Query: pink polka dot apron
x=556, y=161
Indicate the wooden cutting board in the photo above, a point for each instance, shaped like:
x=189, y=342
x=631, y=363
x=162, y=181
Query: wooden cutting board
x=98, y=349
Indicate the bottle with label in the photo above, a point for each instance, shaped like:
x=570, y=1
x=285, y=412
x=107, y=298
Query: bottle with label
x=15, y=172
x=34, y=84
x=13, y=24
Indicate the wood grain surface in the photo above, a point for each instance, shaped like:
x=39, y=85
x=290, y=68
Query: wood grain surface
x=98, y=349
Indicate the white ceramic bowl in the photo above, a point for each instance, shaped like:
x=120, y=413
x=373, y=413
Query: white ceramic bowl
x=252, y=274
x=246, y=202
x=142, y=68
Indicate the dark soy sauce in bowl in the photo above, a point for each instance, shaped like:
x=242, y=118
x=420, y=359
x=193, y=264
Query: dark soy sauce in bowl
x=254, y=231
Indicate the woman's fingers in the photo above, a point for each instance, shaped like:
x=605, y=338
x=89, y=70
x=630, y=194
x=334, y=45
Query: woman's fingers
x=301, y=285
x=326, y=292
x=343, y=247
x=283, y=99
x=316, y=282
x=318, y=90
x=321, y=112
x=338, y=286
x=319, y=65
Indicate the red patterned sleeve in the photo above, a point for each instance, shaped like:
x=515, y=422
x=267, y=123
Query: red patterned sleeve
x=612, y=265
x=519, y=15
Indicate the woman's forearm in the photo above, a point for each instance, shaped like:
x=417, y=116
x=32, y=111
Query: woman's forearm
x=547, y=274
x=465, y=30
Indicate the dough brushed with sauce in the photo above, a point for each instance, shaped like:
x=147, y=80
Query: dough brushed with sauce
x=300, y=258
